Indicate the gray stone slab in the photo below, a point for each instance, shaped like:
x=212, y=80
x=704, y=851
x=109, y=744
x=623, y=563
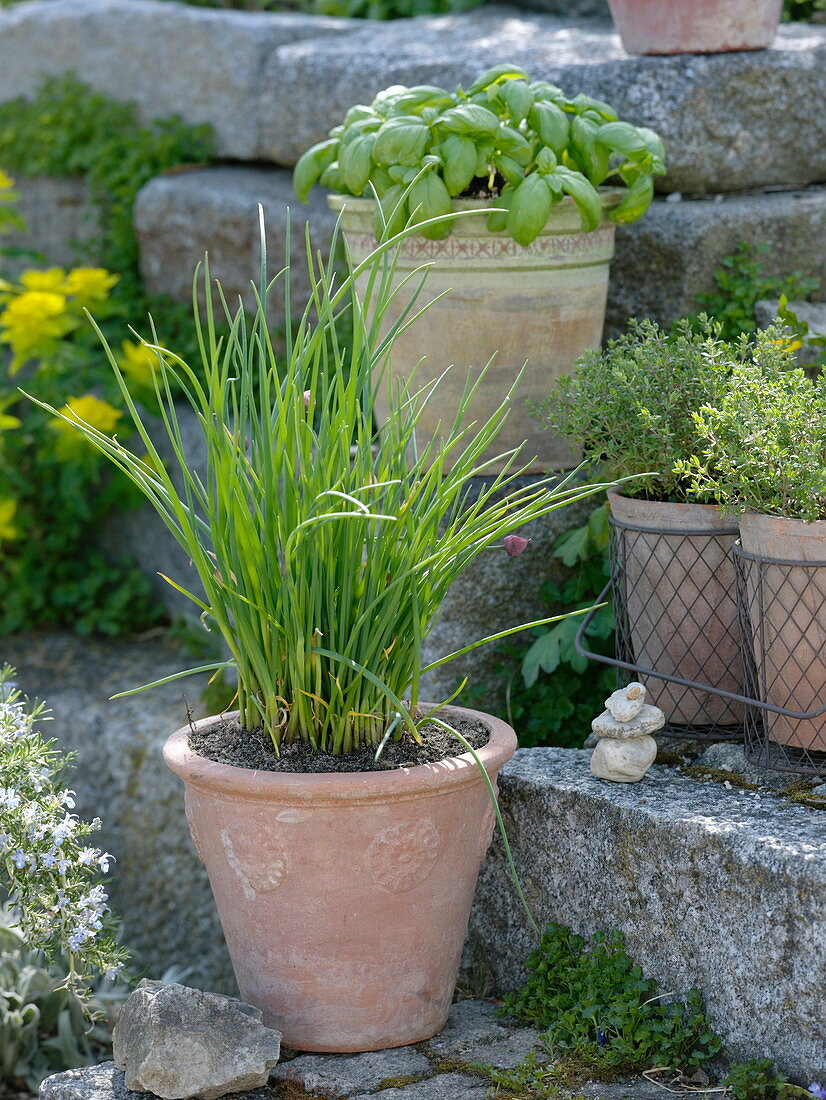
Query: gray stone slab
x=104, y=1082
x=729, y=121
x=666, y=259
x=202, y=64
x=475, y=1033
x=720, y=889
x=445, y=1086
x=180, y=217
x=338, y=1075
x=60, y=223
x=157, y=886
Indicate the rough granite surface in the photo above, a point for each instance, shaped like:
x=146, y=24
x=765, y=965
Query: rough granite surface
x=729, y=121
x=474, y=1033
x=180, y=217
x=60, y=221
x=157, y=885
x=272, y=84
x=201, y=64
x=723, y=889
x=668, y=257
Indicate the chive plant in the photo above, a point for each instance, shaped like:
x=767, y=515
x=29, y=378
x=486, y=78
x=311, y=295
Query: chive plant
x=324, y=548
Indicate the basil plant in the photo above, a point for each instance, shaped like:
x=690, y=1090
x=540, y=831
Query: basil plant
x=521, y=145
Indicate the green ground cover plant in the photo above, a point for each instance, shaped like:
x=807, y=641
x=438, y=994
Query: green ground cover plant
x=602, y=1018
x=741, y=282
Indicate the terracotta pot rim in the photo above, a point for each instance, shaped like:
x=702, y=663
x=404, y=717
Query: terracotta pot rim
x=350, y=787
x=707, y=515
x=757, y=520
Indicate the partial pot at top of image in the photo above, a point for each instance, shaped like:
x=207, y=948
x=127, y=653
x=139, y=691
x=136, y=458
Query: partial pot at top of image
x=526, y=280
x=695, y=26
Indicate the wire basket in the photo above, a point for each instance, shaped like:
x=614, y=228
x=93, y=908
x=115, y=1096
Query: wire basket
x=782, y=613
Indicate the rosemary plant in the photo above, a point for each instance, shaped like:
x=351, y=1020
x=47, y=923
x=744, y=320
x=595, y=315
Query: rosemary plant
x=324, y=548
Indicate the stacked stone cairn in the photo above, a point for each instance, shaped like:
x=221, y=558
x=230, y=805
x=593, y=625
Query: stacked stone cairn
x=626, y=750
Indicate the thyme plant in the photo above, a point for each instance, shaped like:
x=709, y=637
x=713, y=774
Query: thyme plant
x=631, y=405
x=324, y=549
x=762, y=445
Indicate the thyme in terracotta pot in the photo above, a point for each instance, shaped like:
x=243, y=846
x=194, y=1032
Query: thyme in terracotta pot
x=631, y=406
x=523, y=280
x=324, y=550
x=762, y=454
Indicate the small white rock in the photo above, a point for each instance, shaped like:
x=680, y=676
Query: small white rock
x=675, y=196
x=623, y=761
x=646, y=722
x=626, y=703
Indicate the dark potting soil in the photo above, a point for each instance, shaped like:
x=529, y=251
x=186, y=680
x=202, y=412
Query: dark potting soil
x=226, y=742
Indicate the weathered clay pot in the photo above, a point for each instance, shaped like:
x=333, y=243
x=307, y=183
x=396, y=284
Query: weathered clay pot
x=344, y=898
x=680, y=599
x=543, y=303
x=786, y=610
x=695, y=26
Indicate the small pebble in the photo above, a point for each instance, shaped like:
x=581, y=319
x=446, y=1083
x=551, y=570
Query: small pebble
x=675, y=196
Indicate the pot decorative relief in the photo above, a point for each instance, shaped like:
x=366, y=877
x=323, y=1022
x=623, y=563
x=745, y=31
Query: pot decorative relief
x=543, y=304
x=344, y=897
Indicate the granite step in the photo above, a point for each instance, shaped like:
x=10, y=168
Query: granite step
x=272, y=84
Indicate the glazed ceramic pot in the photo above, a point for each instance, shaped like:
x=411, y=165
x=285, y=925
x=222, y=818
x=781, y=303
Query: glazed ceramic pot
x=344, y=897
x=680, y=601
x=786, y=610
x=695, y=26
x=543, y=304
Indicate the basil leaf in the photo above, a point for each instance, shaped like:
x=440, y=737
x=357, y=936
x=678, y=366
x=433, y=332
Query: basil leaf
x=518, y=98
x=622, y=138
x=311, y=166
x=401, y=141
x=552, y=125
x=429, y=198
x=459, y=156
x=634, y=203
x=470, y=118
x=356, y=161
x=529, y=209
x=495, y=75
x=585, y=196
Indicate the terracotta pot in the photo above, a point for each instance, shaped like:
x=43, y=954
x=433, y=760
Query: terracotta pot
x=786, y=609
x=344, y=898
x=680, y=600
x=543, y=303
x=695, y=26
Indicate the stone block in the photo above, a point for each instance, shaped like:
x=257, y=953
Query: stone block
x=180, y=217
x=665, y=260
x=178, y=1042
x=720, y=889
x=105, y=1082
x=157, y=886
x=729, y=121
x=60, y=221
x=201, y=64
x=337, y=1075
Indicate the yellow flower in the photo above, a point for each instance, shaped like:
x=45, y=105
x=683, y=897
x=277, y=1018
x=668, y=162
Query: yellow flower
x=8, y=510
x=31, y=323
x=138, y=363
x=6, y=182
x=89, y=410
x=7, y=422
x=53, y=279
x=89, y=285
